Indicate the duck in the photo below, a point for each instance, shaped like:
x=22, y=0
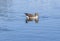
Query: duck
x=30, y=17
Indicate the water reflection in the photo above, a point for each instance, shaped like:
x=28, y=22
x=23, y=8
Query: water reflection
x=28, y=20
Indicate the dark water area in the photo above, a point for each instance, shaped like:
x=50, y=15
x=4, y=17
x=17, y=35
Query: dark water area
x=14, y=28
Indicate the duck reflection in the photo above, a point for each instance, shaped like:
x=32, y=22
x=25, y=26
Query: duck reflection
x=31, y=17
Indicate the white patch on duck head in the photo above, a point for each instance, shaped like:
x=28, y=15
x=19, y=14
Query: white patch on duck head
x=27, y=17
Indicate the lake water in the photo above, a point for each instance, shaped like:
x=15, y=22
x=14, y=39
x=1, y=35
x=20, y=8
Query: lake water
x=14, y=28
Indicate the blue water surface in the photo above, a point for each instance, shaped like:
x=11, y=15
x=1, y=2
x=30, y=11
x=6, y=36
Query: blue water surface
x=14, y=28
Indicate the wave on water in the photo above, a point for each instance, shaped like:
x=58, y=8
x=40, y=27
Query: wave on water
x=50, y=17
x=4, y=29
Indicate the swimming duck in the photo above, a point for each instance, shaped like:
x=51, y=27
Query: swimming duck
x=30, y=17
